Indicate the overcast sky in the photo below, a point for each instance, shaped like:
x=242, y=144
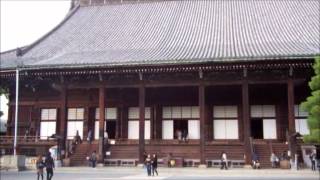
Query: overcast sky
x=25, y=21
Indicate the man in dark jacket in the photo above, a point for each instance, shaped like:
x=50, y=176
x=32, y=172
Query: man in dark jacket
x=49, y=166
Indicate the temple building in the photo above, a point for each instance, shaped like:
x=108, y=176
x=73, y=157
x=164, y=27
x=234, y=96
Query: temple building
x=181, y=78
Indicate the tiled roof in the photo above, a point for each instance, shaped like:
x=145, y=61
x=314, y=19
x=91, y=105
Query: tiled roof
x=171, y=32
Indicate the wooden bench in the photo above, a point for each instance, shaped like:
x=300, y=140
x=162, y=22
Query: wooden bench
x=111, y=162
x=191, y=162
x=237, y=163
x=233, y=163
x=120, y=162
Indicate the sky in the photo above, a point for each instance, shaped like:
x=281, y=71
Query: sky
x=24, y=21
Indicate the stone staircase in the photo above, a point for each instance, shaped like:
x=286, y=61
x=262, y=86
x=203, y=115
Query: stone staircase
x=81, y=152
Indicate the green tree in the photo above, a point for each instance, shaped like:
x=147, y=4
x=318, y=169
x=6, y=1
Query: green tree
x=312, y=106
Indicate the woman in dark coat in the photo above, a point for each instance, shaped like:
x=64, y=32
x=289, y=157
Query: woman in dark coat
x=40, y=166
x=154, y=164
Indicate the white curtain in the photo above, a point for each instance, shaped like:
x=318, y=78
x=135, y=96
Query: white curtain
x=219, y=129
x=47, y=129
x=263, y=111
x=302, y=126
x=226, y=129
x=269, y=129
x=232, y=131
x=96, y=130
x=133, y=130
x=194, y=129
x=147, y=128
x=73, y=127
x=167, y=129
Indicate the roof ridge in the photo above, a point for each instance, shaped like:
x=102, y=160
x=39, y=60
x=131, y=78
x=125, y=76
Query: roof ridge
x=68, y=16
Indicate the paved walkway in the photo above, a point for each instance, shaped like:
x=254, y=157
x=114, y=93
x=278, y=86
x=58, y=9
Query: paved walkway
x=107, y=173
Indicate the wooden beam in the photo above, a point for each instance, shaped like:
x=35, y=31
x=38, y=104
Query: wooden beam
x=101, y=122
x=141, y=122
x=202, y=107
x=246, y=120
x=190, y=83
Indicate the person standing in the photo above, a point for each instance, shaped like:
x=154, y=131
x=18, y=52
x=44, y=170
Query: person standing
x=185, y=135
x=93, y=159
x=89, y=138
x=154, y=164
x=148, y=164
x=49, y=166
x=224, y=161
x=312, y=157
x=40, y=165
x=273, y=160
x=78, y=138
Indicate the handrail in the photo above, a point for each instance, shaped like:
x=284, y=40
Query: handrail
x=26, y=139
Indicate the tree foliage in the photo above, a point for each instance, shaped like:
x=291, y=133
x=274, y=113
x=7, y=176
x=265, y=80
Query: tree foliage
x=312, y=106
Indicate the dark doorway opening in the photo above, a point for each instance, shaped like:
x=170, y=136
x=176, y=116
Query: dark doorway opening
x=257, y=128
x=111, y=129
x=180, y=126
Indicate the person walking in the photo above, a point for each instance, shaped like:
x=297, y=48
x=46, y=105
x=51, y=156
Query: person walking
x=312, y=157
x=40, y=165
x=148, y=164
x=49, y=166
x=93, y=159
x=224, y=161
x=154, y=164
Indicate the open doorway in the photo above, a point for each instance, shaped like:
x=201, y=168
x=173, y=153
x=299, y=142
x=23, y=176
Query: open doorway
x=257, y=128
x=180, y=126
x=111, y=129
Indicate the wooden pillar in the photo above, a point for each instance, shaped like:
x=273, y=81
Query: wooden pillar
x=152, y=122
x=63, y=120
x=209, y=123
x=86, y=122
x=291, y=119
x=157, y=122
x=124, y=122
x=10, y=120
x=101, y=122
x=118, y=122
x=202, y=108
x=141, y=122
x=246, y=121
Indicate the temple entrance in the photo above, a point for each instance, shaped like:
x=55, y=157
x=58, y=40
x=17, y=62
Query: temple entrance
x=111, y=129
x=179, y=127
x=257, y=128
